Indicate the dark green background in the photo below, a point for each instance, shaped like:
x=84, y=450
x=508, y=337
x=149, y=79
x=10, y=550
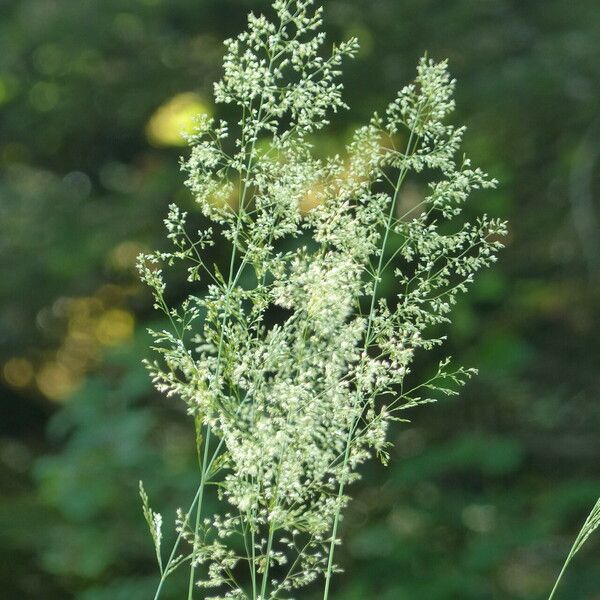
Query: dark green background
x=485, y=491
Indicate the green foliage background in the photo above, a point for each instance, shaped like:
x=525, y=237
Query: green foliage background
x=485, y=492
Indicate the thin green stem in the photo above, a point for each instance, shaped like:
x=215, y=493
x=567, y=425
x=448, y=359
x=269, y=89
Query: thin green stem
x=253, y=551
x=199, y=513
x=167, y=570
x=169, y=565
x=336, y=519
x=388, y=227
x=263, y=587
x=560, y=575
x=588, y=527
x=378, y=274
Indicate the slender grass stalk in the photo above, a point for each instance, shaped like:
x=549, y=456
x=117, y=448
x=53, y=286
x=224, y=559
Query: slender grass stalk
x=171, y=560
x=336, y=520
x=590, y=525
x=199, y=513
x=253, y=564
x=169, y=567
x=376, y=280
x=559, y=578
x=265, y=577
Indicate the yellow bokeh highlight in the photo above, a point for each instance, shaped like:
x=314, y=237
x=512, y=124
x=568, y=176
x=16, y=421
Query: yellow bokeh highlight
x=174, y=118
x=124, y=255
x=83, y=315
x=56, y=381
x=92, y=324
x=114, y=326
x=18, y=372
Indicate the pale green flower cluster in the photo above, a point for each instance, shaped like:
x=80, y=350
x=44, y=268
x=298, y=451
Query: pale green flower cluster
x=293, y=364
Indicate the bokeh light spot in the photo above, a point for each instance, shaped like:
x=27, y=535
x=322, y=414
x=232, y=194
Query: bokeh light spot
x=18, y=372
x=114, y=326
x=174, y=118
x=124, y=256
x=57, y=382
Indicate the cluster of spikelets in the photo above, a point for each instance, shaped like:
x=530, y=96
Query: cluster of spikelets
x=292, y=363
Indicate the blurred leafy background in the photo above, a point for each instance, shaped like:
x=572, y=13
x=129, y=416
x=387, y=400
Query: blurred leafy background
x=486, y=491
